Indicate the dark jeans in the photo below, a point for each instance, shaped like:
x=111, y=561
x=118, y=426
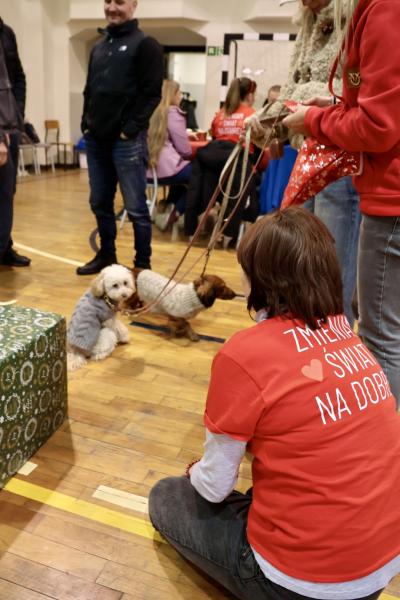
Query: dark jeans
x=124, y=162
x=213, y=537
x=206, y=170
x=8, y=180
x=178, y=190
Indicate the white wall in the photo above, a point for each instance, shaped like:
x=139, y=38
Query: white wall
x=189, y=70
x=54, y=37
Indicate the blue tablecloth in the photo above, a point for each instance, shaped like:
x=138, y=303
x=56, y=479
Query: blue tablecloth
x=275, y=180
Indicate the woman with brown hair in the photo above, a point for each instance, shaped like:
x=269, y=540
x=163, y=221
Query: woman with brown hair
x=169, y=147
x=304, y=397
x=226, y=130
x=228, y=122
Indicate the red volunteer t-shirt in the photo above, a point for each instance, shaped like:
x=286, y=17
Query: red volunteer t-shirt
x=229, y=127
x=320, y=421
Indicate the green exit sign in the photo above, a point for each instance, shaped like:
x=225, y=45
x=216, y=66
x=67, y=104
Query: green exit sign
x=214, y=50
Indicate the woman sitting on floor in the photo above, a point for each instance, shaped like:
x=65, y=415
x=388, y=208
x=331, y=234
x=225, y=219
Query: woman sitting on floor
x=303, y=395
x=169, y=148
x=226, y=129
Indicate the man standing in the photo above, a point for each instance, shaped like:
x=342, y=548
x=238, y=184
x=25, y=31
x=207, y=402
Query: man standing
x=12, y=108
x=122, y=90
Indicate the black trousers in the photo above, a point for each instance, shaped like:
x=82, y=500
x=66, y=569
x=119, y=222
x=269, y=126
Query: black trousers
x=206, y=170
x=8, y=181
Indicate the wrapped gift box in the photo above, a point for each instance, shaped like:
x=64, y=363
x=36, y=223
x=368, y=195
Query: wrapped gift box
x=33, y=383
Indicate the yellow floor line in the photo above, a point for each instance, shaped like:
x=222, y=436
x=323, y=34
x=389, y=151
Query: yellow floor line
x=30, y=250
x=82, y=508
x=94, y=512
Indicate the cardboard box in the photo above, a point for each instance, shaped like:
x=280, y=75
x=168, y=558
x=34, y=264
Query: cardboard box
x=33, y=383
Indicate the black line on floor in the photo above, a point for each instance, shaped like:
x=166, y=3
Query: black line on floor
x=163, y=329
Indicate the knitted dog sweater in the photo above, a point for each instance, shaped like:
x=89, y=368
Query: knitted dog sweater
x=181, y=302
x=87, y=320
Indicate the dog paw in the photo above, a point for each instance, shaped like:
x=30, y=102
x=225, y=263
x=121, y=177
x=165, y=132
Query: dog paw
x=75, y=361
x=193, y=336
x=122, y=333
x=123, y=339
x=100, y=355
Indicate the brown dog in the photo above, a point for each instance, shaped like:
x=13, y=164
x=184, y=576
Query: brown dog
x=179, y=301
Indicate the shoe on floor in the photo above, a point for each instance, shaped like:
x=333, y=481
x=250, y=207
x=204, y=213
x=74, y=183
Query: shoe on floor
x=13, y=259
x=99, y=262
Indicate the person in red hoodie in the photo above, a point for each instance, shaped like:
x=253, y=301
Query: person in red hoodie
x=368, y=120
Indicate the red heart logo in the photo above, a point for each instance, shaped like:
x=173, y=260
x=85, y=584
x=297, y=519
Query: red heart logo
x=314, y=370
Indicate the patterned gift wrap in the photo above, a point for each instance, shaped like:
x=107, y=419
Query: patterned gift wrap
x=33, y=383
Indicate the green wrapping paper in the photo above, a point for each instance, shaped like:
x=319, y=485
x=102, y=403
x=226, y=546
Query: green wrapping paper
x=33, y=383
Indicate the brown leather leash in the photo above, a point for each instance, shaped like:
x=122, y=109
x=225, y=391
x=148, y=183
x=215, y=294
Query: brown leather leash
x=228, y=171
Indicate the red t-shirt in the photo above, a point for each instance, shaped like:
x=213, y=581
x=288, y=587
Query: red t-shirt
x=320, y=421
x=229, y=127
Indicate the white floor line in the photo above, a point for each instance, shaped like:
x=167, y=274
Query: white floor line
x=8, y=303
x=68, y=261
x=27, y=468
x=121, y=498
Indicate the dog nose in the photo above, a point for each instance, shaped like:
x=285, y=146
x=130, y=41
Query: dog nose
x=124, y=295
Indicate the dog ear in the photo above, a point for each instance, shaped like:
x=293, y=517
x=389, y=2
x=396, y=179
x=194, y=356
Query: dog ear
x=97, y=287
x=205, y=291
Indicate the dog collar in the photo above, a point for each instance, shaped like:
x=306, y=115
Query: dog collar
x=110, y=303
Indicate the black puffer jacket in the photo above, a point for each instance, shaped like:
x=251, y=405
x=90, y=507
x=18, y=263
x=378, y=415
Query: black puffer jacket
x=124, y=82
x=14, y=67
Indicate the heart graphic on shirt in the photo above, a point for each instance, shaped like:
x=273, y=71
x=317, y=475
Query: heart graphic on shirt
x=313, y=370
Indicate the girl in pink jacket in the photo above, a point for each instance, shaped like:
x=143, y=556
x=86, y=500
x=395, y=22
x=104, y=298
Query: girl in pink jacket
x=169, y=147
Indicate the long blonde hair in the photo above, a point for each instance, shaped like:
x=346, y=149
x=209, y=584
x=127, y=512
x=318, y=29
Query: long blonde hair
x=158, y=126
x=343, y=12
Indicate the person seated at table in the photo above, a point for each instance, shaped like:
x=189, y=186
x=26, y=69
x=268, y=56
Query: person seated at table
x=272, y=95
x=169, y=148
x=226, y=129
x=302, y=394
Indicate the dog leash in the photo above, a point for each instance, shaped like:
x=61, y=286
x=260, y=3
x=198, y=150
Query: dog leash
x=228, y=169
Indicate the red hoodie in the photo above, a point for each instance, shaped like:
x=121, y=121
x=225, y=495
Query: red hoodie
x=369, y=117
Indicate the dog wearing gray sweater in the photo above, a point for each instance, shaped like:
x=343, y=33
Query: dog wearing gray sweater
x=179, y=302
x=94, y=330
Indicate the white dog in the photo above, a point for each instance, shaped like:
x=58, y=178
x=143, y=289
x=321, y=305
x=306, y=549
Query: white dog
x=94, y=330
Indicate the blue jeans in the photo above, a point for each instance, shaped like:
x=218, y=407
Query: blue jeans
x=379, y=293
x=8, y=179
x=213, y=537
x=338, y=208
x=124, y=162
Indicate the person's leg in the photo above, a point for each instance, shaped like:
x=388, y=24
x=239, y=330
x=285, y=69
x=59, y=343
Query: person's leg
x=103, y=186
x=130, y=160
x=8, y=186
x=193, y=198
x=6, y=206
x=338, y=207
x=379, y=292
x=211, y=536
x=178, y=188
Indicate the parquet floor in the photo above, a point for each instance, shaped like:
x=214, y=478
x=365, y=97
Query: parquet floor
x=134, y=418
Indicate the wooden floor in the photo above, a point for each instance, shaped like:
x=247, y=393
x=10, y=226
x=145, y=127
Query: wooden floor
x=134, y=419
